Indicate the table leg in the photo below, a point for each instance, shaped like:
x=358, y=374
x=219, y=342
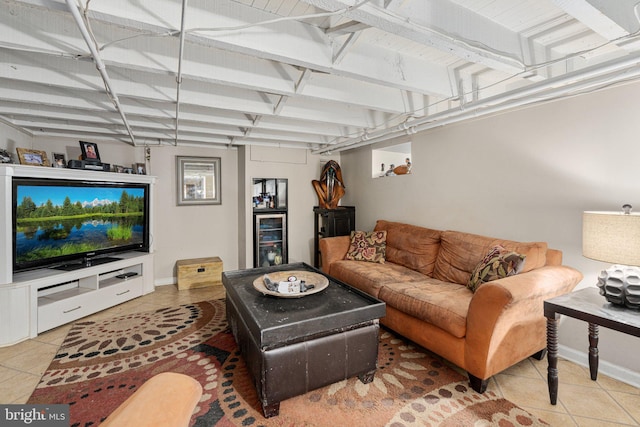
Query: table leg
x=593, y=350
x=271, y=410
x=367, y=377
x=552, y=357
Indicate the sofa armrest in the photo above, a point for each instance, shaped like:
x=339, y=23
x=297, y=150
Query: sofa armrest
x=554, y=257
x=506, y=323
x=333, y=249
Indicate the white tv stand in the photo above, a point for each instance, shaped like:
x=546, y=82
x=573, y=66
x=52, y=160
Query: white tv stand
x=35, y=301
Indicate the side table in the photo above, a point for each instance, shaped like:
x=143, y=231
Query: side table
x=330, y=223
x=587, y=305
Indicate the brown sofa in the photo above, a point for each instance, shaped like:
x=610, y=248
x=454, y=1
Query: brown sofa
x=423, y=280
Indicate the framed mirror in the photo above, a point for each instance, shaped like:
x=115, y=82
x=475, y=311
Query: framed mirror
x=198, y=180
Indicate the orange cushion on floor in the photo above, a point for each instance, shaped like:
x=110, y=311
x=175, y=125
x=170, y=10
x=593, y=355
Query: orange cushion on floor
x=165, y=400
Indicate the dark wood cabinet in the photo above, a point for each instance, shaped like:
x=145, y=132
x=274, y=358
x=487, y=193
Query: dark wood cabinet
x=332, y=222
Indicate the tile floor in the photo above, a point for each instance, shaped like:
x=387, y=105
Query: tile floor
x=581, y=402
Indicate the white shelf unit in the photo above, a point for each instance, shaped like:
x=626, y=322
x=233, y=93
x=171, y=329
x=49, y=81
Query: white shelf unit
x=63, y=298
x=38, y=300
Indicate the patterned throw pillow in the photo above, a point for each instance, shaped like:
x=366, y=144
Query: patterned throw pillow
x=367, y=246
x=497, y=264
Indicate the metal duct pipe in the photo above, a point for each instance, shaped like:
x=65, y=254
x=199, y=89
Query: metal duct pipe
x=180, y=56
x=545, y=90
x=99, y=65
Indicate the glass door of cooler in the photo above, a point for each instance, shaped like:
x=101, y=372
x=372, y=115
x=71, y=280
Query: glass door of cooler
x=270, y=237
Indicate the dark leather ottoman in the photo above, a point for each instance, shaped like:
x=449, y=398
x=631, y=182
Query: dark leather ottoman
x=295, y=345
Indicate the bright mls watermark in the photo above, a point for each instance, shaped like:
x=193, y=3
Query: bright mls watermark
x=34, y=415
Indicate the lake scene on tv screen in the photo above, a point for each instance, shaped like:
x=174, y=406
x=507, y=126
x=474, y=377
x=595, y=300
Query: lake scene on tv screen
x=56, y=221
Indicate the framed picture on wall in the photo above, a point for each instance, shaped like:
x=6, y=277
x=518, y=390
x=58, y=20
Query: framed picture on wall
x=32, y=157
x=89, y=151
x=198, y=180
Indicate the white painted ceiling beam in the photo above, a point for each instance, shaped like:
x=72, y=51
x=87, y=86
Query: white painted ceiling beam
x=347, y=28
x=115, y=130
x=140, y=123
x=157, y=55
x=610, y=19
x=145, y=139
x=290, y=42
x=145, y=131
x=23, y=99
x=34, y=119
x=79, y=75
x=149, y=128
x=435, y=23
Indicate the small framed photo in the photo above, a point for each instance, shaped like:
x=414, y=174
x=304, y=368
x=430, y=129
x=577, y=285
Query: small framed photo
x=139, y=168
x=32, y=157
x=89, y=151
x=5, y=156
x=59, y=160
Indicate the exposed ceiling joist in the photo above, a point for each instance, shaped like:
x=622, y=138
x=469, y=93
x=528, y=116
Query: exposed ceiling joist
x=610, y=19
x=442, y=26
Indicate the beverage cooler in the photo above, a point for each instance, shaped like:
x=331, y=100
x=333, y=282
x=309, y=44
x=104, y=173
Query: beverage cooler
x=270, y=239
x=270, y=222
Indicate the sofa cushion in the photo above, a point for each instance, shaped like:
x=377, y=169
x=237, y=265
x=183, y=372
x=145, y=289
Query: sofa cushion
x=370, y=277
x=367, y=246
x=441, y=304
x=411, y=246
x=497, y=264
x=461, y=252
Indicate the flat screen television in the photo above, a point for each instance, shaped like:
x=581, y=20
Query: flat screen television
x=71, y=224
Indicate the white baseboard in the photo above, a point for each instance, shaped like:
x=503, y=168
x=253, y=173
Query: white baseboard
x=619, y=373
x=165, y=281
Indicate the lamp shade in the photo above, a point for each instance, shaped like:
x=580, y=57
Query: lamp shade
x=611, y=237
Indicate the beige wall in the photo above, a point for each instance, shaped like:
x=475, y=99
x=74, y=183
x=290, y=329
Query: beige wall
x=184, y=232
x=525, y=175
x=11, y=138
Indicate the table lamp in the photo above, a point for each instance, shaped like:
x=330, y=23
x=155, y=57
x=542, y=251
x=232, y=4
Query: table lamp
x=615, y=237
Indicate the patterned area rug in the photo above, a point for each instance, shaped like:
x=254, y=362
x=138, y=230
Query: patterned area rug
x=101, y=363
